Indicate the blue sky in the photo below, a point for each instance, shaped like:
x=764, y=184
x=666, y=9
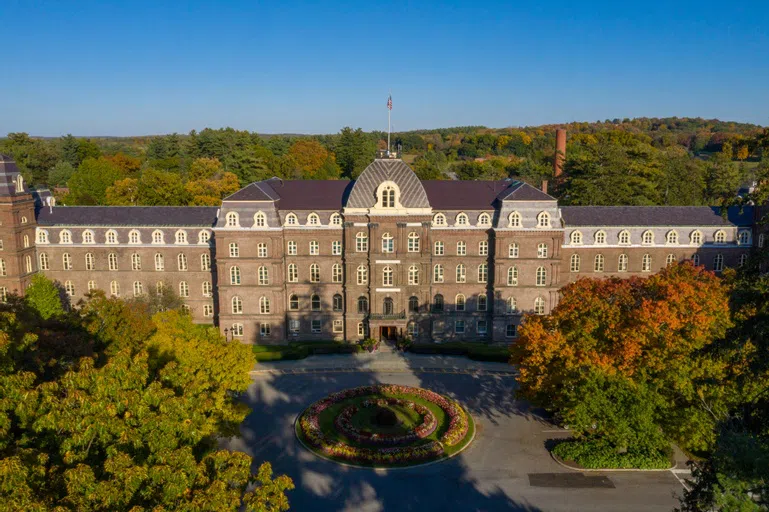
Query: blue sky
x=144, y=67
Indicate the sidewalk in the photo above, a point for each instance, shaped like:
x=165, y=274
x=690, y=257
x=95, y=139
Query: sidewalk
x=383, y=362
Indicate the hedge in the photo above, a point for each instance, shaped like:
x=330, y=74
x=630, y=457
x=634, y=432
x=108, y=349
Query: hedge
x=300, y=350
x=598, y=454
x=475, y=351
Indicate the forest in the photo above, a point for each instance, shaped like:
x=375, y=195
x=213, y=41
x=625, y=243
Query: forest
x=642, y=161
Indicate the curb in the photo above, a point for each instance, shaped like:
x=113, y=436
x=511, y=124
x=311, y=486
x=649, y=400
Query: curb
x=303, y=371
x=613, y=470
x=373, y=468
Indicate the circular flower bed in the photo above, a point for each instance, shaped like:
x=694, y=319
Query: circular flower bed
x=429, y=426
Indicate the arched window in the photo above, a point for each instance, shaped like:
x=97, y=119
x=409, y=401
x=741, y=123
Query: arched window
x=461, y=220
x=114, y=289
x=696, y=260
x=25, y=241
x=65, y=236
x=718, y=262
x=89, y=261
x=387, y=243
x=112, y=237
x=461, y=273
x=541, y=276
x=138, y=289
x=413, y=242
x=459, y=301
x=483, y=273
x=42, y=236
x=293, y=273
x=134, y=237
x=387, y=276
x=292, y=220
x=388, y=197
x=671, y=258
x=599, y=263
x=413, y=304
x=336, y=219
x=160, y=288
x=461, y=249
x=622, y=263
x=513, y=250
x=648, y=237
x=159, y=263
x=263, y=276
x=413, y=329
x=743, y=238
x=336, y=273
x=88, y=237
x=671, y=238
x=514, y=220
x=314, y=273
x=543, y=220
x=483, y=248
x=512, y=305
x=208, y=289
x=761, y=239
x=91, y=285
x=293, y=302
x=539, y=306
x=484, y=220
x=337, y=303
x=743, y=259
x=205, y=262
x=512, y=276
x=314, y=248
x=624, y=237
x=413, y=275
x=438, y=303
x=157, y=237
x=234, y=250
x=23, y=218
x=542, y=250
x=181, y=237
x=181, y=262
x=646, y=263
x=112, y=260
x=260, y=220
x=720, y=237
x=600, y=237
x=232, y=220
x=234, y=275
x=387, y=306
x=438, y=273
x=136, y=262
x=695, y=237
x=264, y=306
x=481, y=303
x=575, y=238
x=439, y=220
x=204, y=237
x=313, y=219
x=28, y=263
x=362, y=304
x=43, y=261
x=362, y=274
x=574, y=263
x=361, y=242
x=237, y=305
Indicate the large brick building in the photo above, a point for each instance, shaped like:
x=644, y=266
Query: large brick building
x=384, y=255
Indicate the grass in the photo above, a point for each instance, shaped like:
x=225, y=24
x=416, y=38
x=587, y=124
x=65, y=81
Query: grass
x=408, y=419
x=475, y=351
x=300, y=350
x=326, y=420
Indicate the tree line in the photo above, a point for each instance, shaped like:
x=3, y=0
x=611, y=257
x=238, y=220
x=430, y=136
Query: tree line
x=644, y=161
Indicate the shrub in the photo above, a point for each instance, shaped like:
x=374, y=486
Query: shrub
x=598, y=454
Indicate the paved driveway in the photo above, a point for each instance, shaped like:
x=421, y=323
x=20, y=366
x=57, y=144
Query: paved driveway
x=506, y=468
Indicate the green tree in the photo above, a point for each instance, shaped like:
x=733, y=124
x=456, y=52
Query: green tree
x=354, y=151
x=60, y=174
x=123, y=192
x=431, y=166
x=88, y=185
x=44, y=297
x=204, y=168
x=723, y=178
x=158, y=188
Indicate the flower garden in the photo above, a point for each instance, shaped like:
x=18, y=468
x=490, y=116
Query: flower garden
x=385, y=425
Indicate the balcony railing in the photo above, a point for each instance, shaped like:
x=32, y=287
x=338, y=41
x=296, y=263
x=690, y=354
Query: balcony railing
x=390, y=316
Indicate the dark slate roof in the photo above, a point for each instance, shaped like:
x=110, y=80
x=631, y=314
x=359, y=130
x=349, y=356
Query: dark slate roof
x=253, y=192
x=463, y=195
x=127, y=216
x=412, y=192
x=8, y=173
x=520, y=191
x=648, y=216
x=310, y=194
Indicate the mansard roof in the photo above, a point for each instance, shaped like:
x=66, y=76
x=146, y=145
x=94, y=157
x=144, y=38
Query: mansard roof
x=575, y=216
x=8, y=174
x=412, y=193
x=520, y=191
x=202, y=216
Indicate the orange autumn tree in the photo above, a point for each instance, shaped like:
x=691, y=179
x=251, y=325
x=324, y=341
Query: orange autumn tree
x=660, y=332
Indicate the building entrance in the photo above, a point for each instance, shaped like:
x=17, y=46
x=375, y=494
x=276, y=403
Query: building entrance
x=388, y=333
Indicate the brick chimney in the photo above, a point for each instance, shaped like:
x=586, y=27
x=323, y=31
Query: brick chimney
x=560, y=152
x=544, y=186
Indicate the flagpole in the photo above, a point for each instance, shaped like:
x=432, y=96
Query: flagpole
x=389, y=111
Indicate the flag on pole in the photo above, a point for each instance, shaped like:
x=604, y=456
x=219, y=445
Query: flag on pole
x=390, y=102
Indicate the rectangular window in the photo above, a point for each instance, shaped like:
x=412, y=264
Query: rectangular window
x=291, y=248
x=293, y=325
x=316, y=326
x=461, y=249
x=338, y=326
x=314, y=248
x=361, y=242
x=439, y=249
x=459, y=327
x=483, y=248
x=208, y=310
x=482, y=327
x=237, y=330
x=261, y=250
x=265, y=330
x=336, y=248
x=510, y=331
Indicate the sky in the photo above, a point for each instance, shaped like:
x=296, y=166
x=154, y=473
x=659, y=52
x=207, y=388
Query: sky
x=143, y=67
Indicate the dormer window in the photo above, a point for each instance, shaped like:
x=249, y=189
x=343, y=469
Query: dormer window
x=181, y=237
x=88, y=237
x=388, y=197
x=111, y=236
x=19, y=183
x=484, y=220
x=743, y=238
x=600, y=237
x=204, y=237
x=134, y=237
x=232, y=220
x=543, y=220
x=439, y=219
x=647, y=238
x=624, y=237
x=515, y=220
x=462, y=220
x=157, y=237
x=260, y=220
x=65, y=237
x=292, y=220
x=720, y=237
x=696, y=237
x=313, y=219
x=42, y=236
x=672, y=237
x=336, y=219
x=576, y=237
